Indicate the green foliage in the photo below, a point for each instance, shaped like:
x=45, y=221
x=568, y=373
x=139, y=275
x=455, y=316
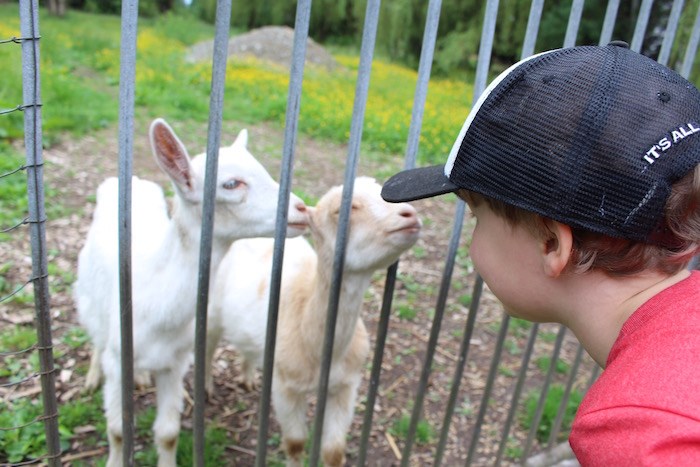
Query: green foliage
x=549, y=414
x=424, y=431
x=13, y=188
x=147, y=8
x=407, y=312
x=216, y=439
x=28, y=441
x=543, y=363
x=17, y=338
x=87, y=71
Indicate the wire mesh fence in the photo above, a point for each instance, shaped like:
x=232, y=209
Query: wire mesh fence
x=473, y=385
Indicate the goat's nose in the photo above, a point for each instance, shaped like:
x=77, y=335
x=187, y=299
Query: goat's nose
x=407, y=211
x=300, y=206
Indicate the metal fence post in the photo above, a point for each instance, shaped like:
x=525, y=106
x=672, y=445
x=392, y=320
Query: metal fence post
x=31, y=95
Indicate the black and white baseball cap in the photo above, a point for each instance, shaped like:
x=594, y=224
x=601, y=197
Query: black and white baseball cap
x=592, y=137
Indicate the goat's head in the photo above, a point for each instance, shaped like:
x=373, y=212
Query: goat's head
x=246, y=195
x=379, y=231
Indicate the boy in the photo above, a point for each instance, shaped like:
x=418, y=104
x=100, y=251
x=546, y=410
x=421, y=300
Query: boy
x=582, y=168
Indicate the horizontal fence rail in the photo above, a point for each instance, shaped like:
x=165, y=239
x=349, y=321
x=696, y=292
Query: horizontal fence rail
x=477, y=398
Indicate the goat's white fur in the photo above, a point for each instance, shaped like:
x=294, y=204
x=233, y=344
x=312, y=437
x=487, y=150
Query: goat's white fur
x=379, y=233
x=165, y=256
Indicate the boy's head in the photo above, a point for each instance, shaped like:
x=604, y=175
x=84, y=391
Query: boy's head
x=597, y=138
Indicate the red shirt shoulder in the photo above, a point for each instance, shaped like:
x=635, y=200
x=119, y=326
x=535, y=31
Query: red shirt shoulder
x=645, y=407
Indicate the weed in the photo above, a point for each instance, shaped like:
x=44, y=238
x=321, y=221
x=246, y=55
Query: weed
x=17, y=338
x=424, y=431
x=519, y=326
x=548, y=336
x=549, y=413
x=543, y=363
x=512, y=347
x=514, y=448
x=28, y=441
x=75, y=337
x=419, y=252
x=465, y=300
x=406, y=311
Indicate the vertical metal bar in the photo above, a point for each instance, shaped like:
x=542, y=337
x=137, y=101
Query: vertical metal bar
x=594, y=376
x=574, y=22
x=216, y=104
x=434, y=334
x=527, y=353
x=543, y=394
x=692, y=48
x=301, y=32
x=369, y=35
x=459, y=370
x=670, y=33
x=31, y=99
x=533, y=27
x=127, y=83
x=485, y=48
x=424, y=68
x=484, y=60
x=641, y=27
x=382, y=330
x=561, y=412
x=609, y=22
x=487, y=389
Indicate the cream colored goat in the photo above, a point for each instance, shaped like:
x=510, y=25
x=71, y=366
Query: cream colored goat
x=379, y=233
x=165, y=253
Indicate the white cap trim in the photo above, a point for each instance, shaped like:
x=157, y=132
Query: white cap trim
x=475, y=109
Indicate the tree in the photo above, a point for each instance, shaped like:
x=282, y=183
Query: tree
x=57, y=7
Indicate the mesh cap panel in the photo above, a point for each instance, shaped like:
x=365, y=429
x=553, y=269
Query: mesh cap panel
x=589, y=136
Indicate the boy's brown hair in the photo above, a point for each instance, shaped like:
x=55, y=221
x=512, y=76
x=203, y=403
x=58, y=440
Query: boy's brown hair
x=619, y=256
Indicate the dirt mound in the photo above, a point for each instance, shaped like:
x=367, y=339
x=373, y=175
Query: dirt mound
x=271, y=43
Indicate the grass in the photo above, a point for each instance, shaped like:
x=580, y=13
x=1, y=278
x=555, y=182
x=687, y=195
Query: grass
x=425, y=433
x=79, y=89
x=549, y=413
x=80, y=77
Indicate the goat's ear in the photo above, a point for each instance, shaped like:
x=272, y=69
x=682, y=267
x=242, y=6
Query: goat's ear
x=241, y=139
x=171, y=155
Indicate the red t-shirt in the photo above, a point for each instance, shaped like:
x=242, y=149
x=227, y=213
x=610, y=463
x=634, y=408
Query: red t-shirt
x=645, y=407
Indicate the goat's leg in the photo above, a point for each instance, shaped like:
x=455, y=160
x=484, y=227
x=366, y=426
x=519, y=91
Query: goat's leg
x=340, y=407
x=112, y=393
x=166, y=428
x=94, y=374
x=290, y=410
x=248, y=373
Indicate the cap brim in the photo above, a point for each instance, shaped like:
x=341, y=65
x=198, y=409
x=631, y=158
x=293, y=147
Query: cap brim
x=413, y=184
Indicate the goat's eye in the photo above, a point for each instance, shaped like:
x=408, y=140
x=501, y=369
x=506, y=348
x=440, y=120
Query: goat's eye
x=231, y=184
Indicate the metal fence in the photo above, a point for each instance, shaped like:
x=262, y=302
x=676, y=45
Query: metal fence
x=474, y=448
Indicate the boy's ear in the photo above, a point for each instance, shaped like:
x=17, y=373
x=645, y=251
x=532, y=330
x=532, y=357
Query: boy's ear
x=556, y=249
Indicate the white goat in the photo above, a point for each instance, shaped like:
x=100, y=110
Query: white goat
x=165, y=255
x=379, y=233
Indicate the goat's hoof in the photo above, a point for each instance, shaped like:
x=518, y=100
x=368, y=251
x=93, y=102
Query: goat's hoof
x=250, y=385
x=91, y=384
x=294, y=449
x=334, y=457
x=142, y=379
